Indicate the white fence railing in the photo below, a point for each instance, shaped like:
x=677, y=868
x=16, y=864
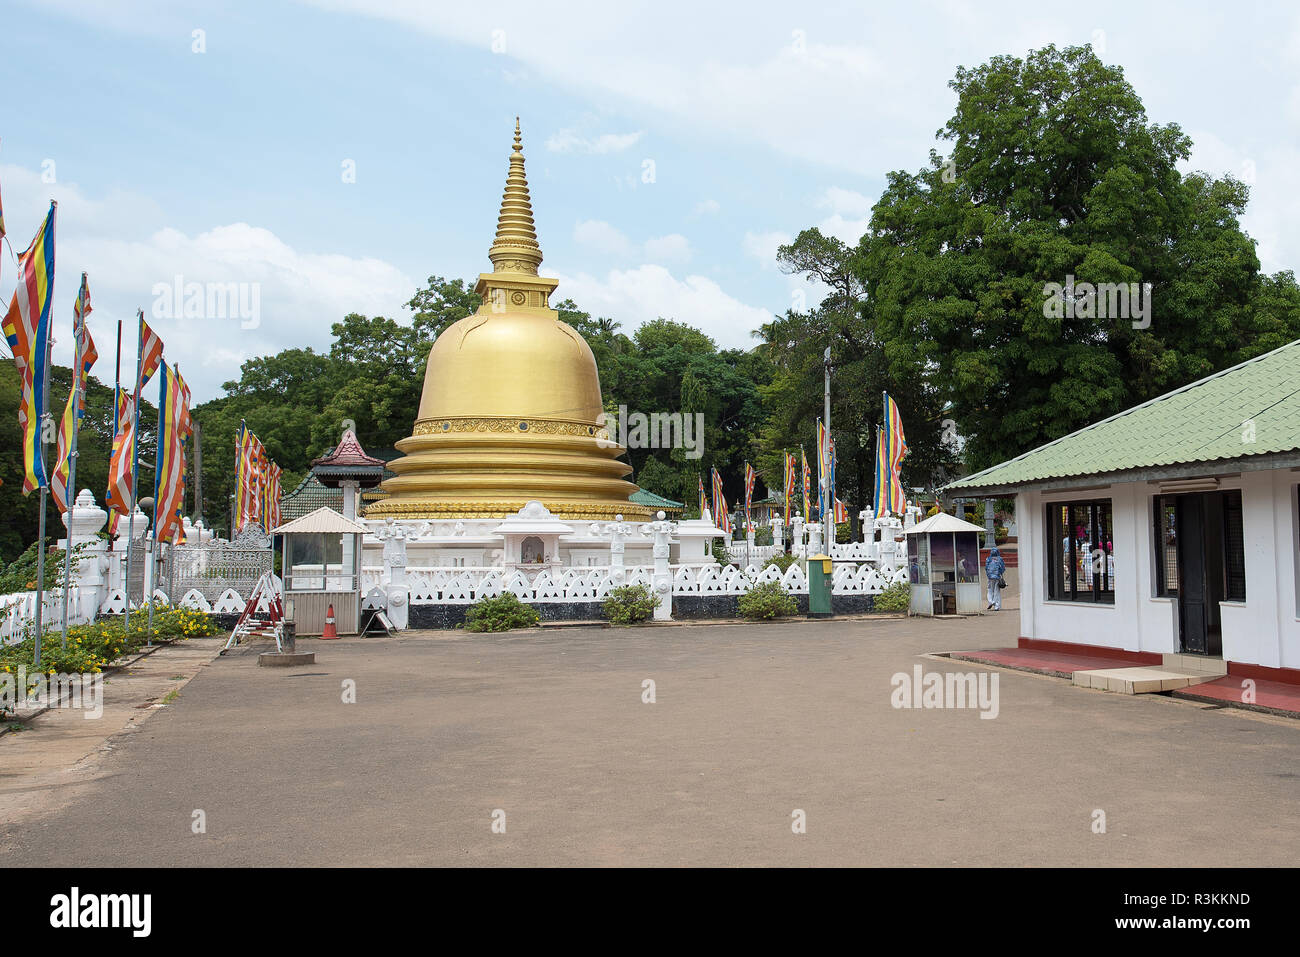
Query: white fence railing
x=18, y=613
x=463, y=586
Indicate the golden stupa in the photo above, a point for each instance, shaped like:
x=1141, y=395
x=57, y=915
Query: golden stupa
x=511, y=408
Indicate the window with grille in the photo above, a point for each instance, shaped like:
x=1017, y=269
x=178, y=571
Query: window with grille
x=1080, y=550
x=1234, y=548
x=1166, y=531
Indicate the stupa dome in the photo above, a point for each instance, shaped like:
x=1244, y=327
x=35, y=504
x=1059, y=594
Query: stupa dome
x=511, y=407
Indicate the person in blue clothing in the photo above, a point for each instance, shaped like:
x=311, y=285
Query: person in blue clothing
x=994, y=566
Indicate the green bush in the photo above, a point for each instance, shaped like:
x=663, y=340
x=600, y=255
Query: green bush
x=897, y=597
x=97, y=645
x=763, y=535
x=500, y=614
x=781, y=561
x=766, y=601
x=720, y=552
x=628, y=604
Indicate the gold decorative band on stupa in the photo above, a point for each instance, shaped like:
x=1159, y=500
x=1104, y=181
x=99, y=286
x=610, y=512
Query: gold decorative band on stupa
x=501, y=509
x=509, y=424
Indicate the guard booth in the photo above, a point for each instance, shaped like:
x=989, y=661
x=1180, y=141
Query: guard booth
x=322, y=567
x=943, y=567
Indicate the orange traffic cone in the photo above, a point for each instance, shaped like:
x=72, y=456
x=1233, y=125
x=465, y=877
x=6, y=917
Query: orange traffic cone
x=330, y=631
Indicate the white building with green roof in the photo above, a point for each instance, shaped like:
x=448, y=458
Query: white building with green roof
x=1170, y=528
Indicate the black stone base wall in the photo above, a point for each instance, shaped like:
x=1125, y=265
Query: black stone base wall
x=685, y=607
x=452, y=616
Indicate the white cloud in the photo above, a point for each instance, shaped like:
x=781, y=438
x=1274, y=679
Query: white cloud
x=671, y=248
x=648, y=292
x=706, y=207
x=568, y=141
x=762, y=246
x=601, y=236
x=299, y=293
x=850, y=214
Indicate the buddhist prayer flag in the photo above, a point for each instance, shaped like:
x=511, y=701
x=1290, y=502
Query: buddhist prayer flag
x=703, y=503
x=750, y=475
x=169, y=473
x=891, y=446
x=720, y=517
x=273, y=497
x=121, y=487
x=75, y=410
x=841, y=512
x=807, y=486
x=150, y=354
x=27, y=330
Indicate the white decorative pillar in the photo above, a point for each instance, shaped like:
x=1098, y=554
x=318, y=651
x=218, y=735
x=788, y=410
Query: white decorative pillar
x=92, y=564
x=814, y=539
x=350, y=487
x=778, y=533
x=867, y=517
x=395, y=584
x=617, y=531
x=797, y=546
x=663, y=579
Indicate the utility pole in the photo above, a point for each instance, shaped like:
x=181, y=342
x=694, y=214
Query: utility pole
x=198, y=472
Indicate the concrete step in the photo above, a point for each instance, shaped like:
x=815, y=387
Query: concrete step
x=1141, y=680
x=1199, y=664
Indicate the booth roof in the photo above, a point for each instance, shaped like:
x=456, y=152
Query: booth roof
x=943, y=522
x=322, y=521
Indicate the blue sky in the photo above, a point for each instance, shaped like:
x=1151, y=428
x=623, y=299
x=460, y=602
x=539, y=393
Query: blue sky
x=226, y=165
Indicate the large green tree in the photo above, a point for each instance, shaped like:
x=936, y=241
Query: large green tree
x=1055, y=171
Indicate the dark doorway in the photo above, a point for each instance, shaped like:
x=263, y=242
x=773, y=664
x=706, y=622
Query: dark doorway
x=1200, y=545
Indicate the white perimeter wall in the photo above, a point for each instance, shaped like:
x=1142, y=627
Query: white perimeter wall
x=1263, y=630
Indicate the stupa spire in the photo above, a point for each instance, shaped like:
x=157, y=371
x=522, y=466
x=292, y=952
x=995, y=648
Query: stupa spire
x=515, y=247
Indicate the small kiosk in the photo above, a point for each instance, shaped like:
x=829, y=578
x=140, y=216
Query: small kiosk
x=322, y=567
x=943, y=567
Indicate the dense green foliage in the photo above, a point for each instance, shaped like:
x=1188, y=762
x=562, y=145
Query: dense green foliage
x=20, y=574
x=782, y=561
x=628, y=604
x=766, y=601
x=1056, y=171
x=895, y=598
x=501, y=613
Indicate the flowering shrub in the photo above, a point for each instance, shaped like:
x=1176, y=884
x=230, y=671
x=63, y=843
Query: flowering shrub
x=97, y=645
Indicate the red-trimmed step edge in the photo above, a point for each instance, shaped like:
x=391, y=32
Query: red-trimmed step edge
x=1237, y=669
x=1097, y=651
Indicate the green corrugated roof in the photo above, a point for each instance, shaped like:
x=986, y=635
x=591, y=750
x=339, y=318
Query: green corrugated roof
x=1206, y=421
x=651, y=500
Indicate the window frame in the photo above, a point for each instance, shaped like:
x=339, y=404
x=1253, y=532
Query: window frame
x=1056, y=562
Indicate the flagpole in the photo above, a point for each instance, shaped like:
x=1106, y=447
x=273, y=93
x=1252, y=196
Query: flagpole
x=40, y=532
x=152, y=548
x=135, y=463
x=70, y=491
x=117, y=401
x=40, y=452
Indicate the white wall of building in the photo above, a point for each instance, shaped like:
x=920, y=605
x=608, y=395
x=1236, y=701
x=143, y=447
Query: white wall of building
x=1264, y=630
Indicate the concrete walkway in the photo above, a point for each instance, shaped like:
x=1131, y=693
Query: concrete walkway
x=548, y=732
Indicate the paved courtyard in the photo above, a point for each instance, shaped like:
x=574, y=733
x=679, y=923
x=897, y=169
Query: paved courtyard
x=750, y=723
